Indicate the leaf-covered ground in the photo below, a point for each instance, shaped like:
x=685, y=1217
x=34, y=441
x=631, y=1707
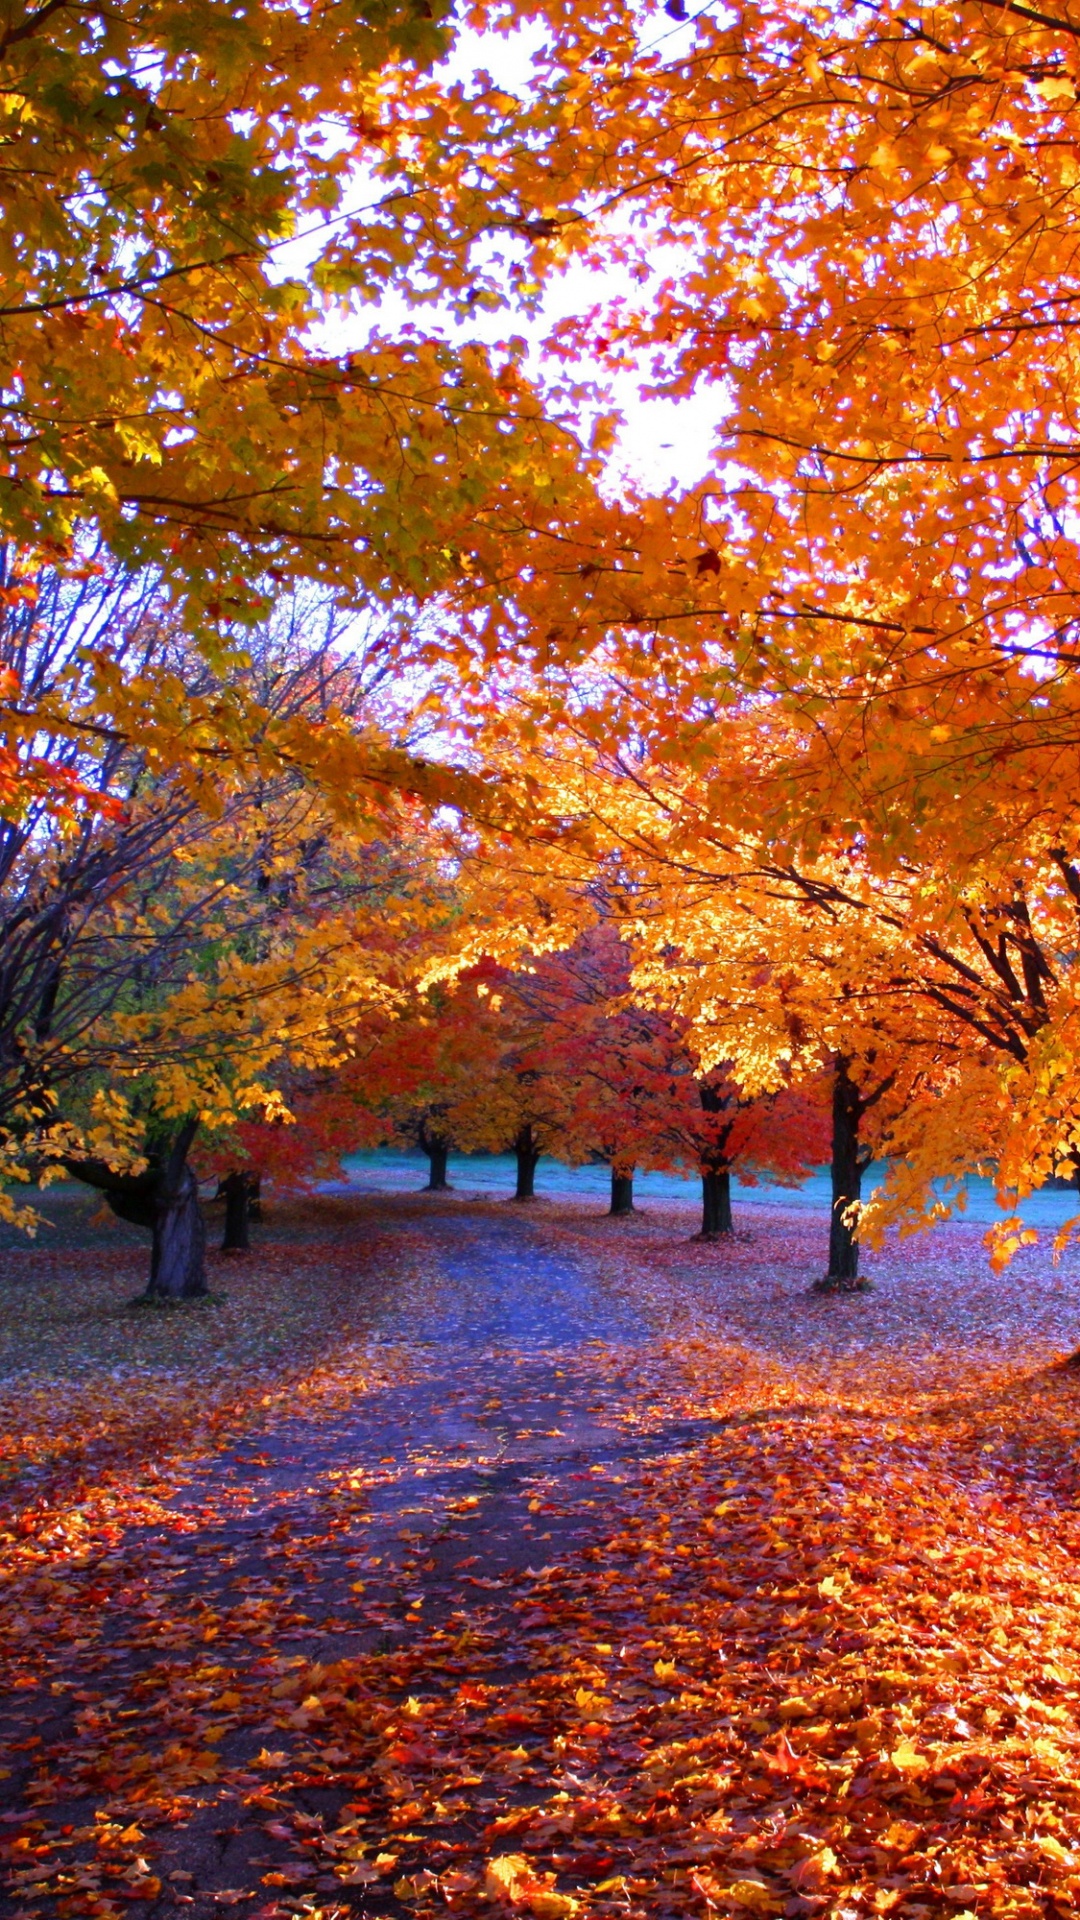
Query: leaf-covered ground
x=481, y=1559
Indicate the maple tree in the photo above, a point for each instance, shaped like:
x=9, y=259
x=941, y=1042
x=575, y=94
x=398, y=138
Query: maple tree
x=947, y=986
x=195, y=223
x=783, y=1135
x=814, y=222
x=445, y=1054
x=618, y=1064
x=637, y=1097
x=891, y=516
x=957, y=1008
x=187, y=197
x=241, y=1190
x=167, y=943
x=408, y=1063
x=508, y=1098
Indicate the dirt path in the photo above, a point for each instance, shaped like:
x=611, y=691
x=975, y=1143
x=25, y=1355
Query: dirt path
x=517, y=1604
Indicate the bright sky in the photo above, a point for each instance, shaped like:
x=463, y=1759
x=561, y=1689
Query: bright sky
x=664, y=445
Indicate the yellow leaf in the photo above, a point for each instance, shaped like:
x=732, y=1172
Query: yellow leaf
x=906, y=1758
x=588, y=1702
x=884, y=158
x=813, y=1874
x=753, y=1894
x=548, y=1905
x=502, y=1874
x=795, y=1708
x=1056, y=92
x=833, y=1584
x=416, y=1886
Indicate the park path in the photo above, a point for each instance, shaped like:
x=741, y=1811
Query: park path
x=352, y=1530
x=504, y=1400
x=532, y=1609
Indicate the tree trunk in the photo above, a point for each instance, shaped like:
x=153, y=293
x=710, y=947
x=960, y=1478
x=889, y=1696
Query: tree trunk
x=622, y=1194
x=438, y=1154
x=846, y=1177
x=236, y=1192
x=715, y=1170
x=715, y=1203
x=177, y=1270
x=528, y=1153
x=165, y=1199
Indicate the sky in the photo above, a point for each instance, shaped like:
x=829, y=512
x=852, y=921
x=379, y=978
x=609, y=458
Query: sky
x=663, y=445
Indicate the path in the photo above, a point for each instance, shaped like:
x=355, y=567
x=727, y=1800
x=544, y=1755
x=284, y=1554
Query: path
x=481, y=1458
x=546, y=1617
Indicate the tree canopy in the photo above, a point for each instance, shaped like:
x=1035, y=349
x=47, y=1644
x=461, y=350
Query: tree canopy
x=803, y=730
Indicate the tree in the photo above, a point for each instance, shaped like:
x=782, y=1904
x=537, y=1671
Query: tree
x=240, y=1190
x=408, y=1068
x=430, y=1064
x=953, y=983
x=619, y=1063
x=850, y=1158
x=600, y=1074
x=890, y=508
x=948, y=1002
x=847, y=656
x=168, y=945
x=640, y=1099
x=510, y=1098
x=164, y=166
x=164, y=1198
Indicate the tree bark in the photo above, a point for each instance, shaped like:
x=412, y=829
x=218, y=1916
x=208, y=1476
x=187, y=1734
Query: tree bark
x=847, y=1111
x=622, y=1194
x=715, y=1169
x=432, y=1141
x=528, y=1153
x=438, y=1154
x=165, y=1199
x=236, y=1190
x=178, y=1249
x=715, y=1203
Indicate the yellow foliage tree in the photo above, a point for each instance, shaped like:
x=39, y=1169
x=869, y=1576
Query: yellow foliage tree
x=203, y=922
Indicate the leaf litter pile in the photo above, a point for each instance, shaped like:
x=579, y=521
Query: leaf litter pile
x=490, y=1560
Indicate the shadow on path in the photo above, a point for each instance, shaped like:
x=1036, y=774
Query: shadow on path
x=412, y=1514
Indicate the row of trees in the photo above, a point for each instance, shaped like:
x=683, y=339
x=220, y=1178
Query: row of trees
x=339, y=663
x=559, y=1059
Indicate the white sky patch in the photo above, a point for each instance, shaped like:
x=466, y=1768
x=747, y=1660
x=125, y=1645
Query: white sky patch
x=663, y=447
